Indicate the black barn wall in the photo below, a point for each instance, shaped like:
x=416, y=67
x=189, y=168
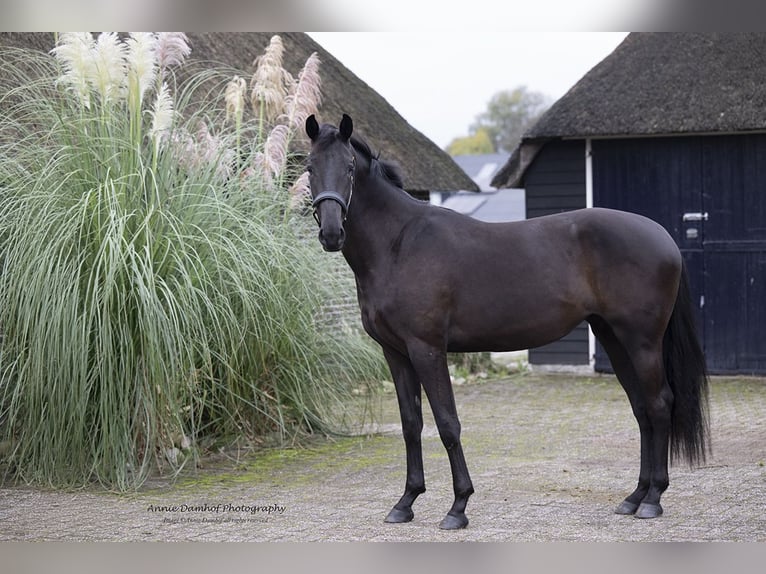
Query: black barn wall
x=555, y=182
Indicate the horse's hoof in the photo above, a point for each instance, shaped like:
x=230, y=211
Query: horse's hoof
x=396, y=515
x=646, y=510
x=452, y=522
x=626, y=507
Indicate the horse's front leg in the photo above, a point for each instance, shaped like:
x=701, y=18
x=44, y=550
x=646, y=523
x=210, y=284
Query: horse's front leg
x=408, y=395
x=430, y=363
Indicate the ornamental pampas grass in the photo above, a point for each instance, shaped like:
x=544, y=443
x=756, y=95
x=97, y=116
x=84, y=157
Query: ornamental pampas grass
x=300, y=191
x=109, y=79
x=305, y=96
x=282, y=102
x=75, y=54
x=93, y=65
x=268, y=86
x=202, y=152
x=275, y=149
x=269, y=163
x=172, y=50
x=162, y=118
x=234, y=97
x=142, y=64
x=145, y=304
x=162, y=113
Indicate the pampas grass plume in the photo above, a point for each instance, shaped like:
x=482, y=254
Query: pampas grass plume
x=109, y=79
x=300, y=191
x=162, y=113
x=75, y=54
x=142, y=64
x=268, y=86
x=235, y=98
x=172, y=49
x=306, y=94
x=275, y=149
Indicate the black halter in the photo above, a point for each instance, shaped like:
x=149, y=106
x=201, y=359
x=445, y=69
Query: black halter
x=336, y=197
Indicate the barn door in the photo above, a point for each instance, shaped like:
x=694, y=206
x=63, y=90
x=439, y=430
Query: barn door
x=707, y=192
x=661, y=179
x=734, y=248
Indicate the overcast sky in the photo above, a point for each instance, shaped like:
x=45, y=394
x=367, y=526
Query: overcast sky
x=440, y=81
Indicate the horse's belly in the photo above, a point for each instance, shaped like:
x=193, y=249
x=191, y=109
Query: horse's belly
x=509, y=333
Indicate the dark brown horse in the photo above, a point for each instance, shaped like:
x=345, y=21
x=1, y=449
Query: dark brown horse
x=431, y=281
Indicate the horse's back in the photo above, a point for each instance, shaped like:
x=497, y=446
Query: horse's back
x=560, y=226
x=563, y=250
x=609, y=222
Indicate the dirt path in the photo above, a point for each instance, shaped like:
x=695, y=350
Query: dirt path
x=550, y=457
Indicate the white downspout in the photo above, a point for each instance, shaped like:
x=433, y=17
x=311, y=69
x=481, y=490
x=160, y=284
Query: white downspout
x=589, y=204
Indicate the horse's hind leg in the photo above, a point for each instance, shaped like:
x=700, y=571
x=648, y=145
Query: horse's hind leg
x=408, y=395
x=652, y=405
x=638, y=366
x=430, y=363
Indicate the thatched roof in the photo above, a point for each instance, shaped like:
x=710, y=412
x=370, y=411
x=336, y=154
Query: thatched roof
x=658, y=84
x=426, y=166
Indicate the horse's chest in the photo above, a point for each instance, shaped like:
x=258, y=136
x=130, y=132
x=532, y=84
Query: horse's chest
x=371, y=317
x=393, y=311
x=376, y=317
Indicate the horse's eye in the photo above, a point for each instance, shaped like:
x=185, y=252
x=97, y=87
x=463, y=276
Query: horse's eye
x=309, y=169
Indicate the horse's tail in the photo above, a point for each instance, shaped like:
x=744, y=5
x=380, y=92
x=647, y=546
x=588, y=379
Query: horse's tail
x=686, y=374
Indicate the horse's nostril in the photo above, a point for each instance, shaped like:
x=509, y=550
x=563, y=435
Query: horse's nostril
x=332, y=241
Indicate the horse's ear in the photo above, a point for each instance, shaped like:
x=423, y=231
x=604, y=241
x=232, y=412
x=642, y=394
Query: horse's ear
x=346, y=127
x=312, y=127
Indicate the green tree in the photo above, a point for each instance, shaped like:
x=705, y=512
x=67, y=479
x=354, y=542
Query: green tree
x=475, y=144
x=508, y=115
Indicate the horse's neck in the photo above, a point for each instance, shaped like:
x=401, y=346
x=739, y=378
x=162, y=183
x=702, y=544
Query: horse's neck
x=379, y=213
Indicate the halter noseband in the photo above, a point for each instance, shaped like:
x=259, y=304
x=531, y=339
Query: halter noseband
x=334, y=196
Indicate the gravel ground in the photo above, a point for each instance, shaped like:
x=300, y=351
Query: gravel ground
x=550, y=457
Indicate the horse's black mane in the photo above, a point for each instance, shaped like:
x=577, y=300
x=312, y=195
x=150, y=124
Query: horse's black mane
x=387, y=169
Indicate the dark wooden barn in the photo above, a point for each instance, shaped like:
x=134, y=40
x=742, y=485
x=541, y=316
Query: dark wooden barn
x=672, y=126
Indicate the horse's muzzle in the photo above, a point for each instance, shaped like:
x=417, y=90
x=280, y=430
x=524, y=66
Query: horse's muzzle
x=332, y=241
x=330, y=213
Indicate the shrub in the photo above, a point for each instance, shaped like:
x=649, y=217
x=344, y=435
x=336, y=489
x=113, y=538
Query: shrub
x=153, y=292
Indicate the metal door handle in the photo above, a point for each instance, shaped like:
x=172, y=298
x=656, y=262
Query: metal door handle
x=695, y=216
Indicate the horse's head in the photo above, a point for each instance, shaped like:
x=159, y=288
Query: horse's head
x=331, y=178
